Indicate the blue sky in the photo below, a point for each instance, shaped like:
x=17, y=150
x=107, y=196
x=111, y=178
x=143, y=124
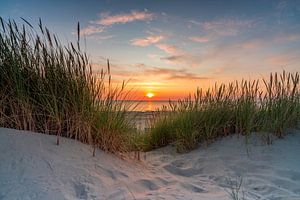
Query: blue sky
x=172, y=47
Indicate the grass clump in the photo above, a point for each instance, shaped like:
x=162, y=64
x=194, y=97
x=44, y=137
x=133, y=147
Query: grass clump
x=50, y=88
x=269, y=106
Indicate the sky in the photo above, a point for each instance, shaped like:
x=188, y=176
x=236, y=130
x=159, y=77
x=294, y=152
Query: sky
x=170, y=47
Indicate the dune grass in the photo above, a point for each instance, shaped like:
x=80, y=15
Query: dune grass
x=268, y=106
x=50, y=88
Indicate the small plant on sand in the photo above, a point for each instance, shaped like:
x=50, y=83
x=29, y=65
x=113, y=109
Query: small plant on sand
x=236, y=189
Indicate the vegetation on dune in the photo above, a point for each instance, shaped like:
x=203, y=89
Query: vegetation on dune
x=50, y=88
x=268, y=106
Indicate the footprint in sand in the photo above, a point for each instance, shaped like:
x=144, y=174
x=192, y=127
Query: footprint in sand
x=192, y=188
x=147, y=184
x=164, y=181
x=81, y=191
x=178, y=168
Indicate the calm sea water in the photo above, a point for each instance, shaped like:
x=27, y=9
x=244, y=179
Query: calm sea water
x=144, y=106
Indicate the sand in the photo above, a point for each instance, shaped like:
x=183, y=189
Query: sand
x=33, y=167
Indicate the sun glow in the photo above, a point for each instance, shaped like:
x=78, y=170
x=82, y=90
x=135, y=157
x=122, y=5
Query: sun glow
x=150, y=95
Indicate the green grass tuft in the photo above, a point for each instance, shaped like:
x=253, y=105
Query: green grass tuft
x=239, y=107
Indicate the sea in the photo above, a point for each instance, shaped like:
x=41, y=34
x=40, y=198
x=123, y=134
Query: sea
x=143, y=112
x=145, y=106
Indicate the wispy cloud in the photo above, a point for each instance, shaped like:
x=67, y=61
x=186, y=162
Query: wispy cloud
x=162, y=71
x=94, y=33
x=91, y=30
x=187, y=76
x=200, y=39
x=288, y=37
x=184, y=59
x=227, y=27
x=100, y=25
x=147, y=41
x=194, y=22
x=107, y=20
x=178, y=56
x=220, y=27
x=102, y=37
x=285, y=9
x=141, y=72
x=175, y=74
x=169, y=49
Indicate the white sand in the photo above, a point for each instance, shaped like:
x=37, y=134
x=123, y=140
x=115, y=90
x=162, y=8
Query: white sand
x=33, y=167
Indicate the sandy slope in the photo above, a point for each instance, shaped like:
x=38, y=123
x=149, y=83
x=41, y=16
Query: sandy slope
x=33, y=167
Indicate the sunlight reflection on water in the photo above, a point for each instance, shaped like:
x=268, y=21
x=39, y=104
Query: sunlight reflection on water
x=146, y=106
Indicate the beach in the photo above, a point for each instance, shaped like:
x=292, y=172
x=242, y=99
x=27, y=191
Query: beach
x=33, y=167
x=111, y=100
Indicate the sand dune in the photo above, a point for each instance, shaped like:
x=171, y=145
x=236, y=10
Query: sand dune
x=33, y=167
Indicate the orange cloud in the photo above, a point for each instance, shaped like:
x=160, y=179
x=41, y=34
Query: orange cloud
x=164, y=82
x=107, y=20
x=147, y=41
x=141, y=72
x=169, y=49
x=172, y=74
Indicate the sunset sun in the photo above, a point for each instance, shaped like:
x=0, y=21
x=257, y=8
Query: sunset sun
x=150, y=95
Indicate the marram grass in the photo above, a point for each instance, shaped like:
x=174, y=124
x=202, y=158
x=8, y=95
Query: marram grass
x=50, y=88
x=267, y=106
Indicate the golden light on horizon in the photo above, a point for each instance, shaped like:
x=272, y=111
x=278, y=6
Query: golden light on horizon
x=150, y=95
